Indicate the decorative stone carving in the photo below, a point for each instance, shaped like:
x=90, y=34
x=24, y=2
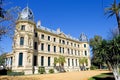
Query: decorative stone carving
x=28, y=58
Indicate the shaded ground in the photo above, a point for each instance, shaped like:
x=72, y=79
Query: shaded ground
x=82, y=75
x=104, y=76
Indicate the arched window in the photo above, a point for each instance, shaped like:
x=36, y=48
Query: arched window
x=21, y=40
x=20, y=61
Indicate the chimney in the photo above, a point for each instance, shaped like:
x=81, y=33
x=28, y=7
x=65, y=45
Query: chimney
x=58, y=30
x=38, y=23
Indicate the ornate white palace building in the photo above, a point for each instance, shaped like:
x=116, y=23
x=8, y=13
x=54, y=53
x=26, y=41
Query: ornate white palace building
x=35, y=46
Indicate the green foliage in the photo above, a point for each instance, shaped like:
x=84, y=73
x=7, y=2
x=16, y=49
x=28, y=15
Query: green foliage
x=93, y=67
x=94, y=44
x=83, y=60
x=103, y=76
x=61, y=60
x=51, y=70
x=114, y=9
x=2, y=59
x=41, y=70
x=108, y=51
x=10, y=73
x=55, y=61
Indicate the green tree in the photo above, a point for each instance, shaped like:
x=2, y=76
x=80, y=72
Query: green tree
x=55, y=61
x=109, y=52
x=113, y=55
x=83, y=61
x=2, y=59
x=94, y=43
x=114, y=9
x=61, y=60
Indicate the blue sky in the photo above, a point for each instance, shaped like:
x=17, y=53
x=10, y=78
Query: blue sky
x=72, y=16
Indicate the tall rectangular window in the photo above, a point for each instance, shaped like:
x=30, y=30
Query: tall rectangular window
x=59, y=40
x=54, y=39
x=11, y=61
x=48, y=61
x=35, y=46
x=48, y=38
x=72, y=62
x=76, y=62
x=75, y=52
x=68, y=62
x=21, y=40
x=71, y=44
x=22, y=27
x=60, y=49
x=85, y=53
x=35, y=61
x=84, y=45
x=42, y=60
x=71, y=51
x=68, y=51
x=67, y=43
x=79, y=53
x=63, y=50
x=42, y=46
x=54, y=48
x=74, y=45
x=42, y=36
x=20, y=63
x=36, y=34
x=48, y=48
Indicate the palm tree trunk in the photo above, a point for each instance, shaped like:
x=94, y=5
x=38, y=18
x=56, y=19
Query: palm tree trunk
x=118, y=20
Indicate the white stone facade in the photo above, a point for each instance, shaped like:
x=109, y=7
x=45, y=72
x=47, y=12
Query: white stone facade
x=34, y=42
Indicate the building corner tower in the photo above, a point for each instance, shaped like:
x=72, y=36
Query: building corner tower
x=23, y=47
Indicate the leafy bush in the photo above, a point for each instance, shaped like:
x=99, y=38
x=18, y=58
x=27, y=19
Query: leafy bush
x=15, y=73
x=51, y=70
x=41, y=70
x=93, y=67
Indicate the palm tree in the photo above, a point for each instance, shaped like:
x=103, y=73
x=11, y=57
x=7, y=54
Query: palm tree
x=61, y=61
x=83, y=61
x=114, y=10
x=55, y=61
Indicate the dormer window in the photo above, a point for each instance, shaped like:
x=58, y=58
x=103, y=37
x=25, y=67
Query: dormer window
x=22, y=27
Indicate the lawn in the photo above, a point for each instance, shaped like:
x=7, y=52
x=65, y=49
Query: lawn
x=103, y=76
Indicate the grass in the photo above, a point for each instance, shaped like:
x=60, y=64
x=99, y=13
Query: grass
x=103, y=76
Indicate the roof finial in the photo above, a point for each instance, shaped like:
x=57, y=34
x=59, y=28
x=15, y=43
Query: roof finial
x=27, y=9
x=27, y=3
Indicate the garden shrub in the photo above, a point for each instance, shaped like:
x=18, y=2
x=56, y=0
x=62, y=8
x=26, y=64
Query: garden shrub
x=51, y=70
x=15, y=73
x=41, y=70
x=93, y=67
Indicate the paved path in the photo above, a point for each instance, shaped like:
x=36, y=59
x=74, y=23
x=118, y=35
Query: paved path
x=82, y=75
